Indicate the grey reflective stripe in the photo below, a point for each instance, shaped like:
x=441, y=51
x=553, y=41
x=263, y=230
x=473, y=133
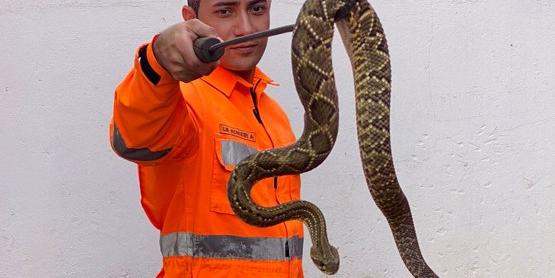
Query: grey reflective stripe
x=134, y=154
x=233, y=152
x=231, y=247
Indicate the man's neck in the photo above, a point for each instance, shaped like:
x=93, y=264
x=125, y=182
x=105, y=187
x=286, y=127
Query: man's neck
x=247, y=75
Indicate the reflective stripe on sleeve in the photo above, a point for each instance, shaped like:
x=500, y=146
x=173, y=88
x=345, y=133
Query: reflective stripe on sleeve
x=231, y=247
x=143, y=154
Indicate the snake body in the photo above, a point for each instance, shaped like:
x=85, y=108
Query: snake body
x=366, y=45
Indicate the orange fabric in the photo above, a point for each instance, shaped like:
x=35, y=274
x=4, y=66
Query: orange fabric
x=179, y=267
x=185, y=191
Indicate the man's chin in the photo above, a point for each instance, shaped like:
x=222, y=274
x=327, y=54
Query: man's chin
x=239, y=65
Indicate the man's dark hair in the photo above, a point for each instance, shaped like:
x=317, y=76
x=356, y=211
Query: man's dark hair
x=194, y=4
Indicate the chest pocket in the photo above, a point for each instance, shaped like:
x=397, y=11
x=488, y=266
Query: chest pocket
x=233, y=152
x=228, y=153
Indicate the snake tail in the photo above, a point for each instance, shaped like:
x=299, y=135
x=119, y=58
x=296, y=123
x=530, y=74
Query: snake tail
x=370, y=60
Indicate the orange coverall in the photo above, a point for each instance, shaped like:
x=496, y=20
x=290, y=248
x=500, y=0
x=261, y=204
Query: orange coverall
x=186, y=139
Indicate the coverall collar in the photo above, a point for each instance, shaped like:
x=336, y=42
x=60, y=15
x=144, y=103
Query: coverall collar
x=225, y=80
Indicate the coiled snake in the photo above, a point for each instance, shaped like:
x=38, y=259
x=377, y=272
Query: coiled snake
x=366, y=45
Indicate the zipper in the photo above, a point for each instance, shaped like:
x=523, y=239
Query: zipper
x=256, y=113
x=287, y=248
x=255, y=110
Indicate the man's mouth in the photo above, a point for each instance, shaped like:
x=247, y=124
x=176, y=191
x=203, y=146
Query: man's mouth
x=244, y=48
x=244, y=45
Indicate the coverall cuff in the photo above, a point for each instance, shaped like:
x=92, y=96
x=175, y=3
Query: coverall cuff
x=157, y=74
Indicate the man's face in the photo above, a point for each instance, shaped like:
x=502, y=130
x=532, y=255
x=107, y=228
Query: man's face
x=235, y=18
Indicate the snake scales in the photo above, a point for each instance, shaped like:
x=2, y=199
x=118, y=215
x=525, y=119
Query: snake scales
x=366, y=45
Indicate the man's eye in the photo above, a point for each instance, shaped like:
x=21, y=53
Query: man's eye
x=258, y=9
x=223, y=12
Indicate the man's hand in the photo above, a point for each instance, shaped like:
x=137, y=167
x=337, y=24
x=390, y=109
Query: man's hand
x=174, y=50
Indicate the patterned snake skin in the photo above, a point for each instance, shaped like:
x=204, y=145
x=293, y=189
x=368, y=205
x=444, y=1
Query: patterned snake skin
x=365, y=41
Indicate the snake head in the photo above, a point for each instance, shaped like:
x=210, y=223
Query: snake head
x=327, y=262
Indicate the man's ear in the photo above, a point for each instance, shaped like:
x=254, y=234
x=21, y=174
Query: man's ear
x=188, y=13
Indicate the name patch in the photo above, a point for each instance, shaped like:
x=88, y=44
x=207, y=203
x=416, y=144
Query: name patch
x=224, y=129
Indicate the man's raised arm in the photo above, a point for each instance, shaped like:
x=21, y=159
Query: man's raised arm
x=150, y=121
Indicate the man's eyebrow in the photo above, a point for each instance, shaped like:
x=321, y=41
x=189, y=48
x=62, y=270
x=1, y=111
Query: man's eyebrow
x=252, y=2
x=235, y=2
x=225, y=3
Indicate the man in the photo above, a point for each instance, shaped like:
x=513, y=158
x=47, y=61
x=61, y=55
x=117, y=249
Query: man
x=186, y=124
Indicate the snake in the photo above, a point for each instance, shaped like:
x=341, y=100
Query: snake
x=364, y=39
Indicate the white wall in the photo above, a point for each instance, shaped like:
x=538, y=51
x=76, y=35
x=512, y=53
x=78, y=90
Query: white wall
x=472, y=124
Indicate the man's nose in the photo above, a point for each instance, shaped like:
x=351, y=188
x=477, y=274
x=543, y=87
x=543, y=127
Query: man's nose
x=243, y=25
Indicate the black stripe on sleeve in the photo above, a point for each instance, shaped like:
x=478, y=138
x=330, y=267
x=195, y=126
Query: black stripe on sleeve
x=152, y=76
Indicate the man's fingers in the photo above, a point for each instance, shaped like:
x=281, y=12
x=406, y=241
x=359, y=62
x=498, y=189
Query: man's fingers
x=191, y=59
x=174, y=50
x=200, y=29
x=188, y=64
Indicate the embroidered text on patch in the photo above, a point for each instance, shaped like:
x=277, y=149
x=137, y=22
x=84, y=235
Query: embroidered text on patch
x=237, y=132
